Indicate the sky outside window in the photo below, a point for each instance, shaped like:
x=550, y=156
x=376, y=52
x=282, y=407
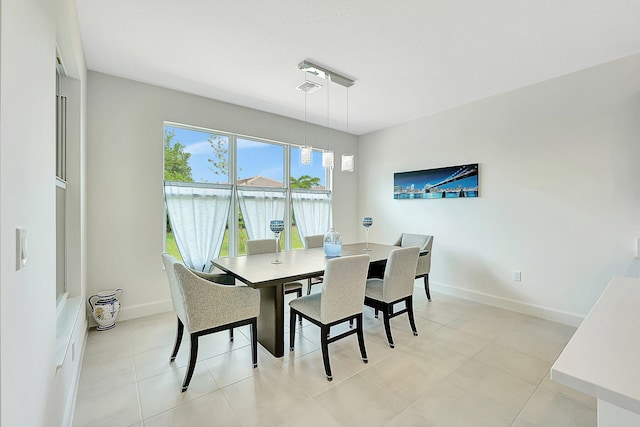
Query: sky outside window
x=255, y=158
x=199, y=145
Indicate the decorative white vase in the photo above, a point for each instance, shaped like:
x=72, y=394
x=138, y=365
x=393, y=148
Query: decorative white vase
x=105, y=307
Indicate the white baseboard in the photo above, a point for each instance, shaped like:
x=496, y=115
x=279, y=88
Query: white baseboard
x=572, y=319
x=547, y=313
x=140, y=310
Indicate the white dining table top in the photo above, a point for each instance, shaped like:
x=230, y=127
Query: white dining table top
x=259, y=270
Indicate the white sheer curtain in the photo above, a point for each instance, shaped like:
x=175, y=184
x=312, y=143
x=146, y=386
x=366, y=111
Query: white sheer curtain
x=259, y=205
x=312, y=211
x=198, y=214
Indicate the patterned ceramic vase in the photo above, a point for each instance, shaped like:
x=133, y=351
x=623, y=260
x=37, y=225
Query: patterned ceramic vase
x=105, y=307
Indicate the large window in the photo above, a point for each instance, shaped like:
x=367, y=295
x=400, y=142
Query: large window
x=267, y=180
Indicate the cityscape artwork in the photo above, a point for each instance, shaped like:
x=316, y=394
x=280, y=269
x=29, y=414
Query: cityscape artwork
x=440, y=183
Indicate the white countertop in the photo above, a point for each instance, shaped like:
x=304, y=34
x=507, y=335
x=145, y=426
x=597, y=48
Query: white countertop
x=603, y=357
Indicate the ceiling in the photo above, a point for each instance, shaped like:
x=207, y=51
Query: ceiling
x=409, y=58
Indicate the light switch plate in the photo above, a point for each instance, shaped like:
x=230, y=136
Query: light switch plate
x=21, y=248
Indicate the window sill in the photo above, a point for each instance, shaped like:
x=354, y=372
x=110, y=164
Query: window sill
x=65, y=324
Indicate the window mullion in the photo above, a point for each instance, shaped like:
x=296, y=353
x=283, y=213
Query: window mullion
x=233, y=212
x=287, y=207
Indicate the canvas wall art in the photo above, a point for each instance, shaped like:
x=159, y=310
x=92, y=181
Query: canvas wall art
x=440, y=183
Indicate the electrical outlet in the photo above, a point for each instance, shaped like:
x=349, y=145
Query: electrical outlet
x=517, y=276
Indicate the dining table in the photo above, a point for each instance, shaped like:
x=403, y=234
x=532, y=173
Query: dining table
x=260, y=272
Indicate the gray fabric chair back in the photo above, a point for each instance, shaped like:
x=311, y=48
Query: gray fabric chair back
x=177, y=296
x=209, y=305
x=345, y=279
x=260, y=246
x=315, y=241
x=399, y=274
x=424, y=242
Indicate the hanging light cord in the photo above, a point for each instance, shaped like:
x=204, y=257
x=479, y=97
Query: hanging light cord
x=328, y=86
x=347, y=112
x=305, y=112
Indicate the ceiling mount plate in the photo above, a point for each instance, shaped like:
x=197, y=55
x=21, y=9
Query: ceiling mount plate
x=308, y=86
x=324, y=73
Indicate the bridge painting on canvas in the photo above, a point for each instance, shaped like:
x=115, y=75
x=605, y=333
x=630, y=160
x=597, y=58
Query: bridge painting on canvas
x=440, y=183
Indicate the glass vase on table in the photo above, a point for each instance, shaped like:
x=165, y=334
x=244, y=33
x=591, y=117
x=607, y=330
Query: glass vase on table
x=367, y=222
x=277, y=226
x=332, y=243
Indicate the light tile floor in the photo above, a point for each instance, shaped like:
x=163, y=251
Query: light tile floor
x=471, y=365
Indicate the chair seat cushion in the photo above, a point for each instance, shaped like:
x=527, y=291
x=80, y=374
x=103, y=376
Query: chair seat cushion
x=374, y=289
x=292, y=286
x=308, y=305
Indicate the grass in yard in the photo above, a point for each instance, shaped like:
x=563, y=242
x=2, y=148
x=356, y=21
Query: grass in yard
x=172, y=248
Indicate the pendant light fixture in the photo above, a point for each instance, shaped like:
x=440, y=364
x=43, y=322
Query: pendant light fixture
x=305, y=154
x=327, y=155
x=330, y=76
x=348, y=160
x=306, y=150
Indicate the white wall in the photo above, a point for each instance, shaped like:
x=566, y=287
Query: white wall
x=559, y=191
x=32, y=391
x=125, y=173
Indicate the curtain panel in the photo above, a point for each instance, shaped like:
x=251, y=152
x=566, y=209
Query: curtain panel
x=198, y=214
x=312, y=211
x=259, y=205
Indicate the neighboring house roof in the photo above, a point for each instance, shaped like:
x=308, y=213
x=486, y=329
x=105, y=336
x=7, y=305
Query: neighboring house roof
x=260, y=181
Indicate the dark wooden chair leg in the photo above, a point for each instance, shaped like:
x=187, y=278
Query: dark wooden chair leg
x=299, y=295
x=309, y=286
x=292, y=329
x=409, y=304
x=387, y=326
x=426, y=287
x=192, y=362
x=376, y=311
x=324, y=333
x=350, y=323
x=363, y=351
x=254, y=342
x=231, y=334
x=176, y=347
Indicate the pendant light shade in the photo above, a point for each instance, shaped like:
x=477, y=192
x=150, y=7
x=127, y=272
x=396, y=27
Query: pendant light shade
x=348, y=161
x=305, y=154
x=327, y=159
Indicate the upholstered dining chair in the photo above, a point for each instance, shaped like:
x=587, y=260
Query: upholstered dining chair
x=340, y=300
x=204, y=307
x=395, y=286
x=314, y=241
x=423, y=268
x=267, y=246
x=219, y=277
